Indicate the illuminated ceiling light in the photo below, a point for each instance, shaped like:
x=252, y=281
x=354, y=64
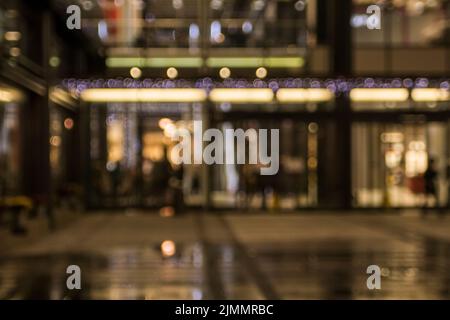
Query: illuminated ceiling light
x=15, y=52
x=430, y=95
x=168, y=248
x=54, y=62
x=258, y=5
x=87, y=5
x=247, y=27
x=215, y=30
x=144, y=95
x=68, y=123
x=13, y=36
x=167, y=212
x=216, y=4
x=135, y=72
x=284, y=62
x=55, y=141
x=358, y=20
x=292, y=95
x=172, y=73
x=124, y=62
x=156, y=62
x=5, y=96
x=10, y=95
x=62, y=97
x=234, y=62
x=255, y=62
x=241, y=95
x=392, y=137
x=188, y=62
x=194, y=31
x=102, y=29
x=212, y=62
x=177, y=4
x=300, y=5
x=379, y=95
x=225, y=73
x=220, y=38
x=261, y=72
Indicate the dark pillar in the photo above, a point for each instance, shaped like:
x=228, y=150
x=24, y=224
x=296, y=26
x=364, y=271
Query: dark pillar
x=45, y=118
x=341, y=63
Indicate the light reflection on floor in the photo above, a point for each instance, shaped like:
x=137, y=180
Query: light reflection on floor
x=237, y=257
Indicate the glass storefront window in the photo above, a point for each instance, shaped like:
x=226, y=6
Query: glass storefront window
x=391, y=161
x=303, y=178
x=130, y=151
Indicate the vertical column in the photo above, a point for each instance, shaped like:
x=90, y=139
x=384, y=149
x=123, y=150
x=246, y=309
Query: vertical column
x=207, y=170
x=85, y=148
x=341, y=63
x=44, y=119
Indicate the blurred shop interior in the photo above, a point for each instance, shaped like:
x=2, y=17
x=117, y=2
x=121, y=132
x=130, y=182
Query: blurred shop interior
x=87, y=116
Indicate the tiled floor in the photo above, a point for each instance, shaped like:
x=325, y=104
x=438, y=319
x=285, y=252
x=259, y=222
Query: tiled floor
x=235, y=256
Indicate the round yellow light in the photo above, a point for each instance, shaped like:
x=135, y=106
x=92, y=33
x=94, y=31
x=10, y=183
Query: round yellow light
x=225, y=73
x=168, y=248
x=54, y=61
x=14, y=52
x=261, y=72
x=135, y=72
x=172, y=73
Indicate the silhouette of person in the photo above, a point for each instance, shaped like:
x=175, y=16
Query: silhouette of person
x=430, y=177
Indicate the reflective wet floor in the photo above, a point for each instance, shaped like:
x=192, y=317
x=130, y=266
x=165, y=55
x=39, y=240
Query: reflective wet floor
x=139, y=255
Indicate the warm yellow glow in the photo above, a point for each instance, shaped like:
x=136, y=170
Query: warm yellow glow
x=61, y=96
x=167, y=212
x=225, y=73
x=144, y=95
x=430, y=95
x=304, y=95
x=55, y=141
x=10, y=95
x=15, y=52
x=135, y=72
x=242, y=95
x=168, y=248
x=115, y=137
x=261, y=72
x=392, y=137
x=13, y=36
x=379, y=94
x=172, y=73
x=170, y=130
x=164, y=122
x=6, y=95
